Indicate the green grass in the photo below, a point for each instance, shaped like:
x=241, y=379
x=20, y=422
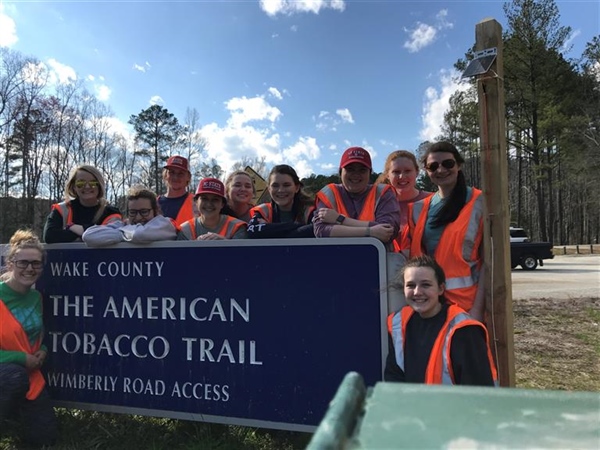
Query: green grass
x=557, y=343
x=88, y=430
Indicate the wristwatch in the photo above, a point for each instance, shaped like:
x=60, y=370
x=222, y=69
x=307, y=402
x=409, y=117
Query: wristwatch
x=340, y=219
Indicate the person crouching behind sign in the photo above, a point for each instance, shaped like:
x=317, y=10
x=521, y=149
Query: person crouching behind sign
x=432, y=341
x=211, y=224
x=22, y=386
x=145, y=223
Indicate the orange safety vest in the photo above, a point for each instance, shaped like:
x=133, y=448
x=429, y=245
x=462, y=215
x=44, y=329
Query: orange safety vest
x=186, y=212
x=457, y=251
x=265, y=210
x=66, y=212
x=230, y=226
x=439, y=368
x=331, y=196
x=14, y=338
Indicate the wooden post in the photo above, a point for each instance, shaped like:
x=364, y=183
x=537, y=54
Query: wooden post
x=494, y=170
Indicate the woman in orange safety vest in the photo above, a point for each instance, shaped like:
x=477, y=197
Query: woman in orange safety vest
x=211, y=224
x=84, y=205
x=290, y=212
x=449, y=227
x=355, y=207
x=432, y=341
x=400, y=171
x=22, y=385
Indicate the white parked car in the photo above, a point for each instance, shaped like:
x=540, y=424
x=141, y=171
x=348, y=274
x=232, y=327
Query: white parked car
x=518, y=235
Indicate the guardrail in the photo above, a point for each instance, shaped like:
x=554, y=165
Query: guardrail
x=579, y=249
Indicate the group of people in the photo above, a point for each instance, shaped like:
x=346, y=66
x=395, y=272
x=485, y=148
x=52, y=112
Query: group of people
x=438, y=337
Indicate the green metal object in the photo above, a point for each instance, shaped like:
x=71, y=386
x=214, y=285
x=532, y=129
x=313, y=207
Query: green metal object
x=417, y=416
x=341, y=417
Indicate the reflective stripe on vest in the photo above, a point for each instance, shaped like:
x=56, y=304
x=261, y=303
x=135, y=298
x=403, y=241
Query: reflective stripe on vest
x=14, y=338
x=230, y=226
x=66, y=212
x=64, y=209
x=331, y=196
x=265, y=210
x=457, y=249
x=449, y=331
x=439, y=367
x=395, y=328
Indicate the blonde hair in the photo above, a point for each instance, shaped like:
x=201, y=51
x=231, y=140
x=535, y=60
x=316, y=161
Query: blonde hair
x=22, y=239
x=229, y=182
x=383, y=177
x=71, y=194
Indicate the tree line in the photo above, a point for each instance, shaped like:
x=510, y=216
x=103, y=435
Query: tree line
x=552, y=122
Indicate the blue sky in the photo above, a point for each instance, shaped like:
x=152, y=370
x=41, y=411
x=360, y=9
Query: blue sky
x=295, y=82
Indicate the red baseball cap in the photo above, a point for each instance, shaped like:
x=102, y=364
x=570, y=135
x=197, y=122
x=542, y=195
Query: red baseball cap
x=178, y=162
x=356, y=155
x=210, y=186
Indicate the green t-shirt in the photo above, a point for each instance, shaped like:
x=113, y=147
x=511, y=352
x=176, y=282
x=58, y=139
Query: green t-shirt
x=27, y=309
x=431, y=235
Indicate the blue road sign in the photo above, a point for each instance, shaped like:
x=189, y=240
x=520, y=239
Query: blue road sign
x=249, y=333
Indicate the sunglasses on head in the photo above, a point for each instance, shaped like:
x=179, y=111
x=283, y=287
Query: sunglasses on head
x=80, y=184
x=446, y=164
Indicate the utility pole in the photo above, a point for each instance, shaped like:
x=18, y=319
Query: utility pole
x=494, y=170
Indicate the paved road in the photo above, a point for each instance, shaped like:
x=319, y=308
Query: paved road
x=565, y=276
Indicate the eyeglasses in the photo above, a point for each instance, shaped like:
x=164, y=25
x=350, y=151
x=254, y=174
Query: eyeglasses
x=446, y=164
x=24, y=263
x=132, y=213
x=80, y=184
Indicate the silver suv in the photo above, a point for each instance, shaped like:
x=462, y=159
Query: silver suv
x=518, y=235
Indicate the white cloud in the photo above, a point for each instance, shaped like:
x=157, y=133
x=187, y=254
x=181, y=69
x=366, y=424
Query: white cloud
x=437, y=102
x=441, y=20
x=142, y=68
x=91, y=77
x=156, y=100
x=289, y=7
x=250, y=132
x=275, y=35
x=245, y=110
x=61, y=73
x=345, y=114
x=325, y=121
x=35, y=73
x=8, y=28
x=120, y=127
x=102, y=92
x=420, y=37
x=294, y=28
x=275, y=93
x=423, y=34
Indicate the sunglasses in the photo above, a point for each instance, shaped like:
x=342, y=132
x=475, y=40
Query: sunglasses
x=446, y=164
x=24, y=263
x=132, y=213
x=80, y=184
